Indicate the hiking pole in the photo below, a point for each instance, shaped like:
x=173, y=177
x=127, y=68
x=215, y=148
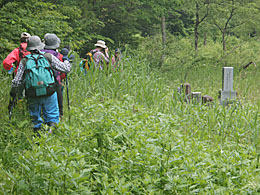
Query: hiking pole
x=68, y=99
x=12, y=103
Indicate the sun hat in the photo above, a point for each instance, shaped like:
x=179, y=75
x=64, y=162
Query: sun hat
x=101, y=43
x=25, y=35
x=34, y=42
x=51, y=41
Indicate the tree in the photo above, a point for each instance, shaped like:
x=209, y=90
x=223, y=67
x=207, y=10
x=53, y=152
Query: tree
x=228, y=15
x=198, y=10
x=160, y=11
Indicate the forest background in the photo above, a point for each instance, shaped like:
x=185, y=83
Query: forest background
x=130, y=132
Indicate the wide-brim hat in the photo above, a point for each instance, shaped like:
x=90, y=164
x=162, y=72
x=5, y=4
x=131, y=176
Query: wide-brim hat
x=51, y=41
x=25, y=35
x=101, y=43
x=34, y=42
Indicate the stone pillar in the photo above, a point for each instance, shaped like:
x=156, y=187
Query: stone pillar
x=207, y=99
x=187, y=91
x=227, y=93
x=196, y=97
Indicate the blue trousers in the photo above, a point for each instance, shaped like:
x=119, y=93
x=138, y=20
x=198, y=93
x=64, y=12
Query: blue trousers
x=49, y=108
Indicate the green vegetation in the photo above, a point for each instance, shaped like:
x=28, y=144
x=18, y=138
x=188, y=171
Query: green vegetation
x=130, y=132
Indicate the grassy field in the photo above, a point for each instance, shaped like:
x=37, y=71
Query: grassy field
x=130, y=132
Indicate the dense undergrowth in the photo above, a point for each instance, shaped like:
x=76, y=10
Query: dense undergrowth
x=130, y=132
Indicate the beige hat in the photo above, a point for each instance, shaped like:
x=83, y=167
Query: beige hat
x=25, y=35
x=101, y=43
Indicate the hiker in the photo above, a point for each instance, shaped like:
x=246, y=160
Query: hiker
x=35, y=71
x=100, y=54
x=67, y=52
x=14, y=58
x=116, y=63
x=70, y=52
x=52, y=43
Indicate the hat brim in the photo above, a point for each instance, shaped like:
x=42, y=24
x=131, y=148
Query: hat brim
x=39, y=47
x=98, y=45
x=57, y=45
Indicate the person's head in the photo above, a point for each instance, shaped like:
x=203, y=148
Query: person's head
x=117, y=52
x=51, y=41
x=64, y=51
x=34, y=44
x=67, y=47
x=101, y=45
x=24, y=37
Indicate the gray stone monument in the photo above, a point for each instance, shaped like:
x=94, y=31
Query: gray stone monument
x=227, y=93
x=196, y=97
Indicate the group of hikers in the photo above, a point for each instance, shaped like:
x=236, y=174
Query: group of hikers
x=39, y=70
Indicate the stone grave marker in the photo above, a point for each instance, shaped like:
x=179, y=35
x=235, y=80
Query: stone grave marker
x=227, y=93
x=196, y=97
x=186, y=89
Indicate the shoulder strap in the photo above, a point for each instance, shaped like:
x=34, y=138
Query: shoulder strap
x=20, y=52
x=36, y=60
x=48, y=57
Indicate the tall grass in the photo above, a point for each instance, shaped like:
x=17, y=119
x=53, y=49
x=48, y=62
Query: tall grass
x=130, y=132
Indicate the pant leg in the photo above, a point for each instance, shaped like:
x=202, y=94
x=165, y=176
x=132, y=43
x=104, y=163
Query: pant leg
x=34, y=107
x=20, y=92
x=60, y=98
x=50, y=109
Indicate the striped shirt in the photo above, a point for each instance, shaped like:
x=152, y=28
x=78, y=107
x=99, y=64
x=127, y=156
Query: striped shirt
x=100, y=58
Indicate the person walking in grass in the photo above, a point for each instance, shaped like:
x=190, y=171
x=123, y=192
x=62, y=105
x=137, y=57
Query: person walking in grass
x=35, y=71
x=11, y=62
x=52, y=43
x=100, y=55
x=116, y=60
x=14, y=58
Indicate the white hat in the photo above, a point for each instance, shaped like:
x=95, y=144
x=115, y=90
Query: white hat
x=101, y=43
x=25, y=35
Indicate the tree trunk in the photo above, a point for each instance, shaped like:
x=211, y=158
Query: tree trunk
x=196, y=38
x=196, y=28
x=205, y=38
x=223, y=40
x=163, y=32
x=163, y=40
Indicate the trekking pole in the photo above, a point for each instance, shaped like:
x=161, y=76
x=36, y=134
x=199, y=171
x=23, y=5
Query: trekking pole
x=12, y=103
x=68, y=99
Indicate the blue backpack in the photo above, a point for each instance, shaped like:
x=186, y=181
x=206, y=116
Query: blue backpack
x=39, y=77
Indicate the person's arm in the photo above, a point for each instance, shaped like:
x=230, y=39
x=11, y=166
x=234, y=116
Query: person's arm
x=11, y=59
x=106, y=56
x=58, y=65
x=113, y=60
x=106, y=53
x=19, y=76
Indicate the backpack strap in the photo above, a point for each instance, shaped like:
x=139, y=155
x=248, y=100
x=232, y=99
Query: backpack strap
x=36, y=60
x=48, y=57
x=20, y=52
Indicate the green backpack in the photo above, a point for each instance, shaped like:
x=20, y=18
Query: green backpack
x=39, y=77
